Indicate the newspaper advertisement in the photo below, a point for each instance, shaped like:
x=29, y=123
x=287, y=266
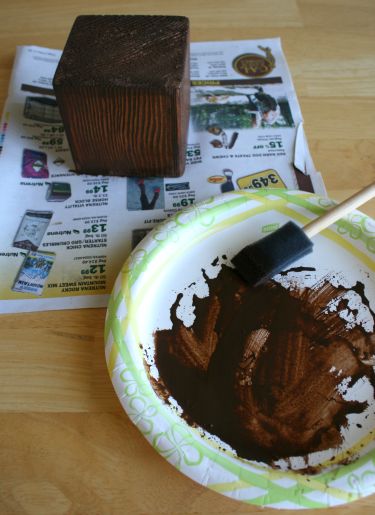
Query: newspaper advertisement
x=64, y=236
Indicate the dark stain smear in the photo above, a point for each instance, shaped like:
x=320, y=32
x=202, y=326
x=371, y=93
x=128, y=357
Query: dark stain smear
x=298, y=269
x=255, y=368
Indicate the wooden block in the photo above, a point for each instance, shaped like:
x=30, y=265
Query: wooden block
x=123, y=90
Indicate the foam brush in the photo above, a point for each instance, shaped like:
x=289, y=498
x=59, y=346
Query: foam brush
x=274, y=253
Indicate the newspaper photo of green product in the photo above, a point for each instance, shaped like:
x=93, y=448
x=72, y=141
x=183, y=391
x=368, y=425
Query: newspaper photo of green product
x=31, y=229
x=33, y=273
x=58, y=191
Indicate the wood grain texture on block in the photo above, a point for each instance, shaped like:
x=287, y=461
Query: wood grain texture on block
x=123, y=89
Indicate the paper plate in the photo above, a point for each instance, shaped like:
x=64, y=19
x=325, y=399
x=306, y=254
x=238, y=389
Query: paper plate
x=168, y=260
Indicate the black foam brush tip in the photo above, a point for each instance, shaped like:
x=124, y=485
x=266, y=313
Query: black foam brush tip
x=270, y=255
x=273, y=253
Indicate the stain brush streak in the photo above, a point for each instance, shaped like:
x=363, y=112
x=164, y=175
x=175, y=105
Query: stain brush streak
x=256, y=367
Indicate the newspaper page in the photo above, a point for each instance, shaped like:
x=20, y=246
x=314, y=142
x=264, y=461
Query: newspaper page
x=64, y=236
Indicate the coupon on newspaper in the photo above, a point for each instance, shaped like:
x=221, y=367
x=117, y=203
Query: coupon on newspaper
x=64, y=236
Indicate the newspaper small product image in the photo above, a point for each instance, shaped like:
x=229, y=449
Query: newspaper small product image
x=34, y=272
x=42, y=109
x=31, y=229
x=34, y=164
x=58, y=191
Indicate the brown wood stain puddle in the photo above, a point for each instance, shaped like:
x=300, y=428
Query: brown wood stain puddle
x=262, y=368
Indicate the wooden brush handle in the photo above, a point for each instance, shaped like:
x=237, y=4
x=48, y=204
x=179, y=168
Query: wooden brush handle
x=348, y=205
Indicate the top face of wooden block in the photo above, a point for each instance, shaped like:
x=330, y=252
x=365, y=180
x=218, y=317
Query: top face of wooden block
x=111, y=50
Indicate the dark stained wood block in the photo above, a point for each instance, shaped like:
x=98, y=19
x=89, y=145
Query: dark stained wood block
x=123, y=89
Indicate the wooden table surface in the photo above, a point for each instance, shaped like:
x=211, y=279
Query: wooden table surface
x=66, y=446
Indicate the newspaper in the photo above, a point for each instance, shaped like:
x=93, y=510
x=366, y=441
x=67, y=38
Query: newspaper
x=64, y=236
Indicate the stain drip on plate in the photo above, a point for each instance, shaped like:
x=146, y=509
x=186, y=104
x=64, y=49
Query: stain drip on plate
x=267, y=369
